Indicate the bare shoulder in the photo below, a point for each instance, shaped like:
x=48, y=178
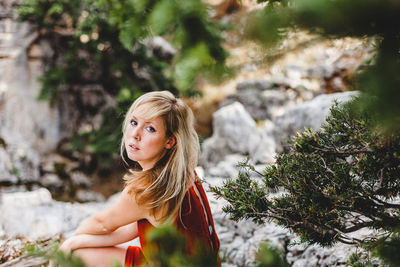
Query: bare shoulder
x=123, y=211
x=127, y=203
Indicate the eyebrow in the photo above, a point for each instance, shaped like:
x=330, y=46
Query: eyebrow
x=134, y=117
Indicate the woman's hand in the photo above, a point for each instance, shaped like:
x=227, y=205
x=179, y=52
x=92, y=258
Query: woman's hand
x=70, y=244
x=119, y=236
x=67, y=247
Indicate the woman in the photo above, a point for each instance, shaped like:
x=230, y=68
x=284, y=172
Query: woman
x=161, y=147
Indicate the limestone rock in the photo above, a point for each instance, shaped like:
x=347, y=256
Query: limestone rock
x=226, y=168
x=160, y=47
x=35, y=214
x=88, y=196
x=79, y=179
x=51, y=180
x=266, y=149
x=260, y=104
x=310, y=114
x=263, y=84
x=234, y=132
x=27, y=127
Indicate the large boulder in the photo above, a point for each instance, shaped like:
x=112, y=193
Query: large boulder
x=35, y=214
x=234, y=131
x=261, y=105
x=310, y=114
x=30, y=128
x=27, y=127
x=264, y=98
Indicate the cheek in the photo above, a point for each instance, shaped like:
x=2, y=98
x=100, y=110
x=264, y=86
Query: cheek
x=156, y=144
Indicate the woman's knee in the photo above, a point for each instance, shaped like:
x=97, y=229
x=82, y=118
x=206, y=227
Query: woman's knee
x=99, y=257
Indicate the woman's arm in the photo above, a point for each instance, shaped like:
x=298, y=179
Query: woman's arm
x=124, y=211
x=119, y=236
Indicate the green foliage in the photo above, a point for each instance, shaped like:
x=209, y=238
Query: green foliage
x=268, y=256
x=334, y=181
x=388, y=249
x=51, y=253
x=168, y=250
x=376, y=19
x=248, y=197
x=103, y=142
x=362, y=259
x=101, y=46
x=112, y=33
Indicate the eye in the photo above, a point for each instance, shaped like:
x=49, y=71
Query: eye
x=133, y=122
x=150, y=129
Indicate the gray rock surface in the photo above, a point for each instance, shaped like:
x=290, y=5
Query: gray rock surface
x=160, y=47
x=265, y=98
x=234, y=131
x=226, y=168
x=30, y=129
x=27, y=127
x=36, y=215
x=310, y=114
x=261, y=104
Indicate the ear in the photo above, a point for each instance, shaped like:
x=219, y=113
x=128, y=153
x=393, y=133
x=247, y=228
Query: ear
x=170, y=143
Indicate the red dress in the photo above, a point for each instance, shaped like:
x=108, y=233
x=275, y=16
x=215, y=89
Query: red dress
x=191, y=222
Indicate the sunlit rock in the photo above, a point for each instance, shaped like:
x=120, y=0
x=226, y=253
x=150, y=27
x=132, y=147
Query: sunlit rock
x=310, y=114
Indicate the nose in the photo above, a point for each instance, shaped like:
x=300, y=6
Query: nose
x=136, y=133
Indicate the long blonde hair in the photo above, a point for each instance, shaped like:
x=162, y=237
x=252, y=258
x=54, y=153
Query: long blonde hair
x=165, y=185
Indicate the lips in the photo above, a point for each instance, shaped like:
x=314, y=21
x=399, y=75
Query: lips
x=133, y=147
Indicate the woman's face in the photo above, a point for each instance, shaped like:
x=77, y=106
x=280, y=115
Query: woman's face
x=145, y=139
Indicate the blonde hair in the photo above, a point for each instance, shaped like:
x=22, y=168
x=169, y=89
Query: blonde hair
x=165, y=185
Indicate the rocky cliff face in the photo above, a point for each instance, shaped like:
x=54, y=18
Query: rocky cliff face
x=28, y=128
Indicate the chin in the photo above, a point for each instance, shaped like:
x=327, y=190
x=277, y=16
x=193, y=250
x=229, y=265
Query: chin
x=131, y=157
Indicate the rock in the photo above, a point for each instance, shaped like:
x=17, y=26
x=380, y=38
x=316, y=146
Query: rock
x=234, y=132
x=18, y=162
x=81, y=107
x=263, y=84
x=266, y=150
x=260, y=104
x=23, y=261
x=79, y=179
x=13, y=251
x=51, y=180
x=310, y=114
x=88, y=196
x=314, y=255
x=48, y=163
x=226, y=168
x=264, y=99
x=27, y=127
x=35, y=214
x=32, y=128
x=295, y=72
x=160, y=47
x=6, y=168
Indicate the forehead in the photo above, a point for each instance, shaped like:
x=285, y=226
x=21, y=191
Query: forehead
x=147, y=112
